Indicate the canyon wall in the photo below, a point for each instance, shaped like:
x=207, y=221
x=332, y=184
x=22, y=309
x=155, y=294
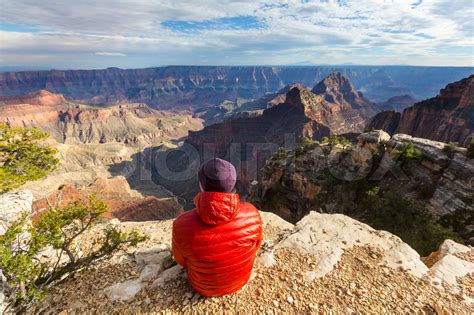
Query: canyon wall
x=200, y=86
x=448, y=117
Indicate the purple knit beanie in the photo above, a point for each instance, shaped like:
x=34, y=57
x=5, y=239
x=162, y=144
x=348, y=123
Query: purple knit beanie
x=217, y=175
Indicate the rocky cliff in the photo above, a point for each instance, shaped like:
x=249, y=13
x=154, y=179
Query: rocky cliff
x=194, y=86
x=12, y=206
x=326, y=263
x=69, y=121
x=397, y=174
x=338, y=89
x=448, y=117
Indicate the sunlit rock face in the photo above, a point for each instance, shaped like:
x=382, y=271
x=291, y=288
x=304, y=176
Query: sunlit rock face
x=122, y=202
x=69, y=121
x=448, y=117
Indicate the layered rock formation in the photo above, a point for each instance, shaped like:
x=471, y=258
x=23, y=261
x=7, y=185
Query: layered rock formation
x=194, y=86
x=337, y=179
x=325, y=263
x=68, y=121
x=448, y=117
x=123, y=203
x=338, y=89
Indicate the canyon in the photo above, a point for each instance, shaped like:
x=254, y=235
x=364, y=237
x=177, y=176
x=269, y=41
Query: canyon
x=317, y=191
x=332, y=107
x=70, y=122
x=202, y=86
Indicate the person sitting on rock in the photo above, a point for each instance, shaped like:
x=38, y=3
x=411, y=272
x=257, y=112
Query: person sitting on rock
x=218, y=240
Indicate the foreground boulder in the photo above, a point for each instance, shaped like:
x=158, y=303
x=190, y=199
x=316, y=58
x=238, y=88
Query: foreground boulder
x=12, y=205
x=326, y=263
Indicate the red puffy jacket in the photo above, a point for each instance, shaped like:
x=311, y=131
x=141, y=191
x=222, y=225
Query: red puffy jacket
x=217, y=242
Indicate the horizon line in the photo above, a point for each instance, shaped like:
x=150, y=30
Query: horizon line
x=226, y=66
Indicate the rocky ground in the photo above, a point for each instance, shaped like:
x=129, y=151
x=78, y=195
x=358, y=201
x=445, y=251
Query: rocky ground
x=327, y=264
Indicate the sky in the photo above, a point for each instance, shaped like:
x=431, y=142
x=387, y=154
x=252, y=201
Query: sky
x=86, y=34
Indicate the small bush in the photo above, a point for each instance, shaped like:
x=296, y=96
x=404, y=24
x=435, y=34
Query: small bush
x=29, y=276
x=449, y=148
x=409, y=152
x=333, y=140
x=280, y=153
x=23, y=156
x=373, y=192
x=307, y=144
x=470, y=149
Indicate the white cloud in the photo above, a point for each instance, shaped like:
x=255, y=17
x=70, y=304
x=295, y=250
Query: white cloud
x=113, y=54
x=365, y=32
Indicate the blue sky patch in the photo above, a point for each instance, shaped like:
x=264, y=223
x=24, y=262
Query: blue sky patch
x=415, y=4
x=22, y=28
x=232, y=23
x=425, y=36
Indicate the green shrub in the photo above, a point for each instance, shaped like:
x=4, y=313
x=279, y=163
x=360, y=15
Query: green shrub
x=449, y=147
x=28, y=275
x=409, y=153
x=280, y=153
x=307, y=144
x=373, y=192
x=333, y=140
x=470, y=149
x=23, y=156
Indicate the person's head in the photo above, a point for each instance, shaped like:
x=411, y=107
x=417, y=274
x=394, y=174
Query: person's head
x=217, y=175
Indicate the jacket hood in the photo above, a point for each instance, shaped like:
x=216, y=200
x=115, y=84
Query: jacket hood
x=216, y=207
